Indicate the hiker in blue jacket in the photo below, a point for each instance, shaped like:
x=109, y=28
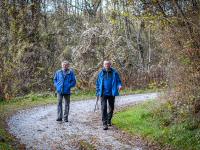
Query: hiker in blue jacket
x=64, y=80
x=108, y=85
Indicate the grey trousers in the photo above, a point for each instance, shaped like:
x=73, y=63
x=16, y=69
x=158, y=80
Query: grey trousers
x=59, y=106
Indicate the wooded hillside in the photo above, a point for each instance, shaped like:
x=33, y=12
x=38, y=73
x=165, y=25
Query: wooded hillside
x=151, y=43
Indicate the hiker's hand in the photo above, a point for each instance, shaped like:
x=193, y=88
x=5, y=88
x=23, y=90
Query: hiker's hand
x=120, y=88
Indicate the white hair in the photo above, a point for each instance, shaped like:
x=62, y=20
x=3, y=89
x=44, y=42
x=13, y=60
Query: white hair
x=65, y=62
x=106, y=61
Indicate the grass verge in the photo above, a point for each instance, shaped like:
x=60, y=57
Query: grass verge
x=143, y=120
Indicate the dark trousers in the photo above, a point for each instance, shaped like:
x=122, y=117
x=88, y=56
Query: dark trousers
x=59, y=109
x=107, y=116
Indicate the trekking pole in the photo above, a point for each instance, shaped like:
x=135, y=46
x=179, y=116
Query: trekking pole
x=96, y=105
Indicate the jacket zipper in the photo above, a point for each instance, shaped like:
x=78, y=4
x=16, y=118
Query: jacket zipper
x=64, y=77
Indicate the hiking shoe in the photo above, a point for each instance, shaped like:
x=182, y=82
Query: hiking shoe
x=105, y=127
x=66, y=120
x=58, y=119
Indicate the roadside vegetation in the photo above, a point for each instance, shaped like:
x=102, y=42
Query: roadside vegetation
x=154, y=123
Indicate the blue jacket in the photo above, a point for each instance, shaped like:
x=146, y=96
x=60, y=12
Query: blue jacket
x=62, y=83
x=116, y=82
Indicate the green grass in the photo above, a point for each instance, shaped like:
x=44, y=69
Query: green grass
x=139, y=91
x=142, y=120
x=7, y=108
x=5, y=145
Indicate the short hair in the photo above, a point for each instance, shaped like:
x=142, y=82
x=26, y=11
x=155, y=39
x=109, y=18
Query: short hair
x=65, y=62
x=106, y=61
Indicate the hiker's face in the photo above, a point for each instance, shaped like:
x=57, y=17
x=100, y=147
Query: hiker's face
x=107, y=65
x=65, y=66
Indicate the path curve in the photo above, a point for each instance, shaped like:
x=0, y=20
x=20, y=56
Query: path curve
x=37, y=128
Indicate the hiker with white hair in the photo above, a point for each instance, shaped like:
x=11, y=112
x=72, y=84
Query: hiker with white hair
x=108, y=85
x=64, y=80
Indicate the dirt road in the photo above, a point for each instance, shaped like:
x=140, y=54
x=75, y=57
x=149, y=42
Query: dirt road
x=37, y=128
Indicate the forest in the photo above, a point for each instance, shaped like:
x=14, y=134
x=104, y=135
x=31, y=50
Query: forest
x=152, y=43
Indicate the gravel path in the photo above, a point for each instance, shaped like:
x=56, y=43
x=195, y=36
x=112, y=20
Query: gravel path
x=37, y=128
